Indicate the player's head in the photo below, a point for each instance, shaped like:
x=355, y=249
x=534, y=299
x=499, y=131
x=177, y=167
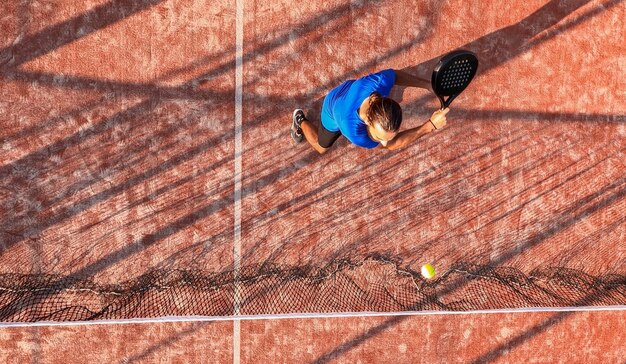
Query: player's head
x=383, y=118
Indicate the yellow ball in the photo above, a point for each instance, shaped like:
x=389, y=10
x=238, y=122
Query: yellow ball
x=428, y=271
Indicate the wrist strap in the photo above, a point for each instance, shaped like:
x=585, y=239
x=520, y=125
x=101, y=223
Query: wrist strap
x=434, y=126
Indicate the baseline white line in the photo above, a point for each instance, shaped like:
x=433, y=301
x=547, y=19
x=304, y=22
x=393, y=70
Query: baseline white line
x=238, y=176
x=169, y=319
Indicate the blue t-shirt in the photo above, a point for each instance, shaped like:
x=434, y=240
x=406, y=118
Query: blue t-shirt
x=339, y=112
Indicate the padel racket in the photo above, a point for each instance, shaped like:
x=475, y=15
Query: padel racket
x=453, y=74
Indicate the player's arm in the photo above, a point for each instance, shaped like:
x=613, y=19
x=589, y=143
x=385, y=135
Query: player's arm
x=404, y=138
x=407, y=79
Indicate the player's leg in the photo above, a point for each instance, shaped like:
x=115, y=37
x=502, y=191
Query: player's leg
x=302, y=127
x=311, y=134
x=321, y=139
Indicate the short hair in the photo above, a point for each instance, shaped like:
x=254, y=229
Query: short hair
x=384, y=111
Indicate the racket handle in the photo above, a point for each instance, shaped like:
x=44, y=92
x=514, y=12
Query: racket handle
x=448, y=101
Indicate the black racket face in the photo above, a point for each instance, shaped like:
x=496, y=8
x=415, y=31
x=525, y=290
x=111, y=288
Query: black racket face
x=453, y=73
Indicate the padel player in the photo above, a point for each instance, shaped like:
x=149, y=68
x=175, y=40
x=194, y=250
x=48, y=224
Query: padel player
x=361, y=111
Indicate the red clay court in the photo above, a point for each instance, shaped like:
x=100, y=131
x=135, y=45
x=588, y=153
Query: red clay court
x=147, y=174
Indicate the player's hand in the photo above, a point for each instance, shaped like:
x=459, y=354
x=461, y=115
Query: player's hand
x=439, y=118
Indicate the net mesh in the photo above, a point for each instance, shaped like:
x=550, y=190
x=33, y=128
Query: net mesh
x=371, y=285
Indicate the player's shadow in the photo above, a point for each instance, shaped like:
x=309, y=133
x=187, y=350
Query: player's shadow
x=500, y=46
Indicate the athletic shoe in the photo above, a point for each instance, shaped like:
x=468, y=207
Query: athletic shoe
x=296, y=129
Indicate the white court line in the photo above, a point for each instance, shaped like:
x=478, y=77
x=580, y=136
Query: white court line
x=170, y=319
x=238, y=176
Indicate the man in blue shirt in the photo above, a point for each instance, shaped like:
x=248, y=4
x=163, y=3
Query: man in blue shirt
x=361, y=111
